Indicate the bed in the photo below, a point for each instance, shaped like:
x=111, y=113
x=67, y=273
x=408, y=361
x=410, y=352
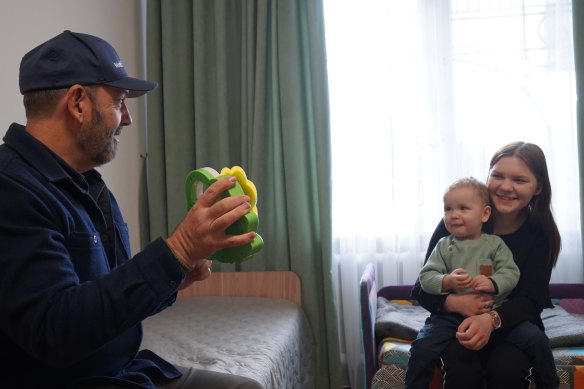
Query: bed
x=390, y=321
x=244, y=323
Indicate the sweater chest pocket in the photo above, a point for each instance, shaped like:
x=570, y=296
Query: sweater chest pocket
x=87, y=255
x=485, y=267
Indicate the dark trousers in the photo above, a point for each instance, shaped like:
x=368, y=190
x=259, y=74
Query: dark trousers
x=504, y=366
x=436, y=334
x=533, y=341
x=526, y=346
x=506, y=362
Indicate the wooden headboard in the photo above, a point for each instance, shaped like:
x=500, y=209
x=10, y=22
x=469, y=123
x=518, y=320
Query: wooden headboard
x=273, y=284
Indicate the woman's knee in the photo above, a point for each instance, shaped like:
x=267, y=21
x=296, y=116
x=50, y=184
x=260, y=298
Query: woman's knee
x=507, y=367
x=461, y=368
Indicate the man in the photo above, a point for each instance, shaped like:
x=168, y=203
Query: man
x=71, y=299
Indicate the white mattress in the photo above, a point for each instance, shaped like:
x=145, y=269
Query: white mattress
x=268, y=340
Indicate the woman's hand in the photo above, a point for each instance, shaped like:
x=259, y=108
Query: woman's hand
x=469, y=304
x=474, y=332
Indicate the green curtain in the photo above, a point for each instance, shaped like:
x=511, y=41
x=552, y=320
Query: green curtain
x=243, y=82
x=578, y=24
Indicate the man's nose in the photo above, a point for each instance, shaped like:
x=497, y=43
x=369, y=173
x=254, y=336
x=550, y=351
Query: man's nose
x=126, y=117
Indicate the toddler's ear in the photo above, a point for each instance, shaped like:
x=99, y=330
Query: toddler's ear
x=486, y=213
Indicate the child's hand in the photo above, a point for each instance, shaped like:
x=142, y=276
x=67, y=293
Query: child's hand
x=201, y=271
x=458, y=279
x=482, y=284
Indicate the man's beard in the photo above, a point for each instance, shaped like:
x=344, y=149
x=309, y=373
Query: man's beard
x=98, y=140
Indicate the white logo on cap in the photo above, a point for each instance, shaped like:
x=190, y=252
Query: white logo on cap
x=118, y=64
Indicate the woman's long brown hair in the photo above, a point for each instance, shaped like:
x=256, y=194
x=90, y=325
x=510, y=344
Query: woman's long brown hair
x=540, y=206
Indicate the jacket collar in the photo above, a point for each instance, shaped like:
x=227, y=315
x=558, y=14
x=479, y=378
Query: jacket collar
x=34, y=152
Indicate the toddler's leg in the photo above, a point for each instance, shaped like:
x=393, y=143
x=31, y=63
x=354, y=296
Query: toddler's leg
x=534, y=342
x=432, y=339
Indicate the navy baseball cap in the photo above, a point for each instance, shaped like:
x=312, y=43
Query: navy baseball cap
x=73, y=58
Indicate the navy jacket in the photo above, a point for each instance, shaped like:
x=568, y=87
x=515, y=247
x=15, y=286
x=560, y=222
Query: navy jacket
x=71, y=299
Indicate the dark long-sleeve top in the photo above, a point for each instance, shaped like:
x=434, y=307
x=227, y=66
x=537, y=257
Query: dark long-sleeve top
x=529, y=246
x=71, y=299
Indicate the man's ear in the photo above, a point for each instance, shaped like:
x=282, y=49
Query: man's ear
x=78, y=103
x=486, y=213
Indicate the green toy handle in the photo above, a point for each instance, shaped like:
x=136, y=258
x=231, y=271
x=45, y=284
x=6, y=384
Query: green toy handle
x=198, y=181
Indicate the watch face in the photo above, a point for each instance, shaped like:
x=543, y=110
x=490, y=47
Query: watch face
x=496, y=320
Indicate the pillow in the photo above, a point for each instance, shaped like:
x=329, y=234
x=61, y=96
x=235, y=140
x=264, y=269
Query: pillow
x=562, y=328
x=395, y=320
x=573, y=305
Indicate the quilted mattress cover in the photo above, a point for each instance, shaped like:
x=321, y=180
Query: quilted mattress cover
x=266, y=339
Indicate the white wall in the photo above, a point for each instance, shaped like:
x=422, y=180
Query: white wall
x=25, y=24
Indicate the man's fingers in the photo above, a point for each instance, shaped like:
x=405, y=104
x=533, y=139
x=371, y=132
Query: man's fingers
x=228, y=211
x=212, y=193
x=239, y=240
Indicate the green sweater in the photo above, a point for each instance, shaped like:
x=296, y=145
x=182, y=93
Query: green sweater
x=487, y=255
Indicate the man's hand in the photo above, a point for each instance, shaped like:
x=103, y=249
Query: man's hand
x=474, y=332
x=202, y=231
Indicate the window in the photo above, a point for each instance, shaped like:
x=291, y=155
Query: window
x=424, y=92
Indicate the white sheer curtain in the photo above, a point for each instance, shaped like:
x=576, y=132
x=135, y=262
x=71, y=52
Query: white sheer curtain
x=423, y=92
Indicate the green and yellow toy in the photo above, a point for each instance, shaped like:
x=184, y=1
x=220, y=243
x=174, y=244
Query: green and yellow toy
x=199, y=180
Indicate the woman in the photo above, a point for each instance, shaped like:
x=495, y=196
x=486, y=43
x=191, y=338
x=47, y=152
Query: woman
x=520, y=193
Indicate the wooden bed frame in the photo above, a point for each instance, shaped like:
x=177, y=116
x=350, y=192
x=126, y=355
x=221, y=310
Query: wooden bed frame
x=222, y=289
x=272, y=284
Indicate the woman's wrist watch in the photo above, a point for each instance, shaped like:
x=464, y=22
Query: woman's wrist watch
x=495, y=320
